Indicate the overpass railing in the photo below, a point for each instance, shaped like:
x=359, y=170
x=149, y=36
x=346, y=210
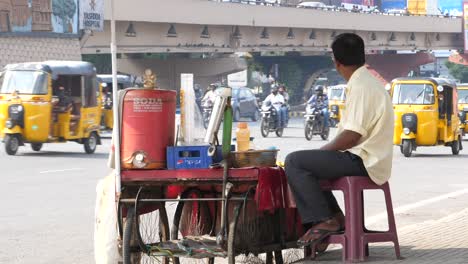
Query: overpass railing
x=331, y=8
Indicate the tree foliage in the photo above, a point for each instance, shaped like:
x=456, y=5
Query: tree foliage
x=291, y=75
x=460, y=72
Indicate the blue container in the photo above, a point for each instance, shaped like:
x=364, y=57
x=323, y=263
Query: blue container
x=188, y=157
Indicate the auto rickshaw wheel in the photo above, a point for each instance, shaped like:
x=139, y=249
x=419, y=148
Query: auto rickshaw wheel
x=12, y=143
x=456, y=146
x=36, y=146
x=407, y=148
x=91, y=143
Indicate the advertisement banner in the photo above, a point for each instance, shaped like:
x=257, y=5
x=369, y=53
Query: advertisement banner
x=92, y=15
x=465, y=25
x=451, y=7
x=238, y=79
x=393, y=4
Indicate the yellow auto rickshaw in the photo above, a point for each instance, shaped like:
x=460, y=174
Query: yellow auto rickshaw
x=336, y=102
x=49, y=102
x=123, y=81
x=463, y=107
x=426, y=114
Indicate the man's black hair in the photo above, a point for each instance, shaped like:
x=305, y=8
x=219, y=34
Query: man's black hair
x=348, y=49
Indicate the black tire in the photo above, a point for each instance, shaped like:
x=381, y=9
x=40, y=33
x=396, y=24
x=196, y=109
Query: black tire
x=264, y=128
x=279, y=132
x=325, y=133
x=232, y=235
x=308, y=131
x=456, y=146
x=256, y=116
x=12, y=143
x=90, y=143
x=199, y=229
x=236, y=115
x=407, y=148
x=151, y=227
x=128, y=236
x=36, y=146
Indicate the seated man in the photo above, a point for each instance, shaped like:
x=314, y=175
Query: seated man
x=320, y=100
x=362, y=146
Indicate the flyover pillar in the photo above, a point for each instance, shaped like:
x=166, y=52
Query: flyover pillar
x=387, y=67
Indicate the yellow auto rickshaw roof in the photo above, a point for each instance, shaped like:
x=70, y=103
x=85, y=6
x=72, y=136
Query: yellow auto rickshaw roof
x=435, y=81
x=56, y=68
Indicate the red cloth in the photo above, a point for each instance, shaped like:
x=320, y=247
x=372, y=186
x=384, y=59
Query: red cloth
x=273, y=190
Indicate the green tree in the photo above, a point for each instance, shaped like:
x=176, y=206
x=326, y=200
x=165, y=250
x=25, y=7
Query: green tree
x=460, y=72
x=290, y=74
x=102, y=62
x=65, y=10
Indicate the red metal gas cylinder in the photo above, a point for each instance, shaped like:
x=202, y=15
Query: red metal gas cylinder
x=148, y=121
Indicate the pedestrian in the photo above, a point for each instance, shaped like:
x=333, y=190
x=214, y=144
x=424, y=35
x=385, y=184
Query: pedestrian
x=362, y=146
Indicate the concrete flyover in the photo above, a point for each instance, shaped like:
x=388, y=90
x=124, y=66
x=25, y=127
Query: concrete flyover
x=189, y=26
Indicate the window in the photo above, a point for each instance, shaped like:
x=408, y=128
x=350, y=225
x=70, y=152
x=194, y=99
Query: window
x=90, y=90
x=414, y=94
x=463, y=96
x=24, y=82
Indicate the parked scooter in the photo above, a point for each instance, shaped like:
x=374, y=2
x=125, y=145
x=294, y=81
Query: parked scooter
x=270, y=121
x=315, y=123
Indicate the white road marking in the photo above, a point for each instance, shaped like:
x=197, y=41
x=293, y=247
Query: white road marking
x=408, y=207
x=52, y=171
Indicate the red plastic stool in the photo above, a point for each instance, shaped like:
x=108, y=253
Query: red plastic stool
x=356, y=237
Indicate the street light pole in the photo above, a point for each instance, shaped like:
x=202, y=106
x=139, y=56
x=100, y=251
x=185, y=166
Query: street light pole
x=115, y=99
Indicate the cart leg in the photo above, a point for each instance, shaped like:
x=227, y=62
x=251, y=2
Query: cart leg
x=278, y=257
x=269, y=258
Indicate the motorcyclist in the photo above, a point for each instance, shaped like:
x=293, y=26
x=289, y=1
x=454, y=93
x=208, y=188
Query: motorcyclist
x=277, y=101
x=210, y=96
x=320, y=101
x=282, y=91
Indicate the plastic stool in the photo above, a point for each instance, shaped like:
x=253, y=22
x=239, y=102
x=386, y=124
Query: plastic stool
x=356, y=238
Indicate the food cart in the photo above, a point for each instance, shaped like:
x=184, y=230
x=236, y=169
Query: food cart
x=236, y=204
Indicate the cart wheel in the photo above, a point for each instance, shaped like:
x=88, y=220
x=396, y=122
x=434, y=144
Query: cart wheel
x=128, y=236
x=191, y=218
x=232, y=235
x=151, y=227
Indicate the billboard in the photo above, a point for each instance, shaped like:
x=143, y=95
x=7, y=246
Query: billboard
x=92, y=15
x=57, y=16
x=451, y=7
x=393, y=4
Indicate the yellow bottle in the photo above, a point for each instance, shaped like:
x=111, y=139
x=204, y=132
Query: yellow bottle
x=243, y=136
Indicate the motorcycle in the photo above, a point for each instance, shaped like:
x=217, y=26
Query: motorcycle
x=314, y=124
x=207, y=109
x=270, y=121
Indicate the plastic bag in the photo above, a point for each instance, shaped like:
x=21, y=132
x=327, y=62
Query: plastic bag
x=105, y=223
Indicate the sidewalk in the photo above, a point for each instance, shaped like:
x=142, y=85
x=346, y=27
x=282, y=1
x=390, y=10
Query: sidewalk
x=434, y=242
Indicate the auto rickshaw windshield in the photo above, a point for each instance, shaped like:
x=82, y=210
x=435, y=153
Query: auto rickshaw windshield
x=23, y=82
x=415, y=94
x=463, y=96
x=336, y=94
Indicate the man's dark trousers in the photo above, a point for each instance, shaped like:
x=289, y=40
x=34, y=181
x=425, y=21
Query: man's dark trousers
x=306, y=168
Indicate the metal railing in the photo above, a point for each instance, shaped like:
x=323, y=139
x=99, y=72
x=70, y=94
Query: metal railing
x=279, y=3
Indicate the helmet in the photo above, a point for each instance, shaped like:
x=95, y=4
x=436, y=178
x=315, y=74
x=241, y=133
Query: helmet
x=318, y=89
x=274, y=89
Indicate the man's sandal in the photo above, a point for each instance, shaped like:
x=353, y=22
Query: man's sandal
x=322, y=234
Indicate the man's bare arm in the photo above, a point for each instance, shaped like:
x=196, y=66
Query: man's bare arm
x=344, y=141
